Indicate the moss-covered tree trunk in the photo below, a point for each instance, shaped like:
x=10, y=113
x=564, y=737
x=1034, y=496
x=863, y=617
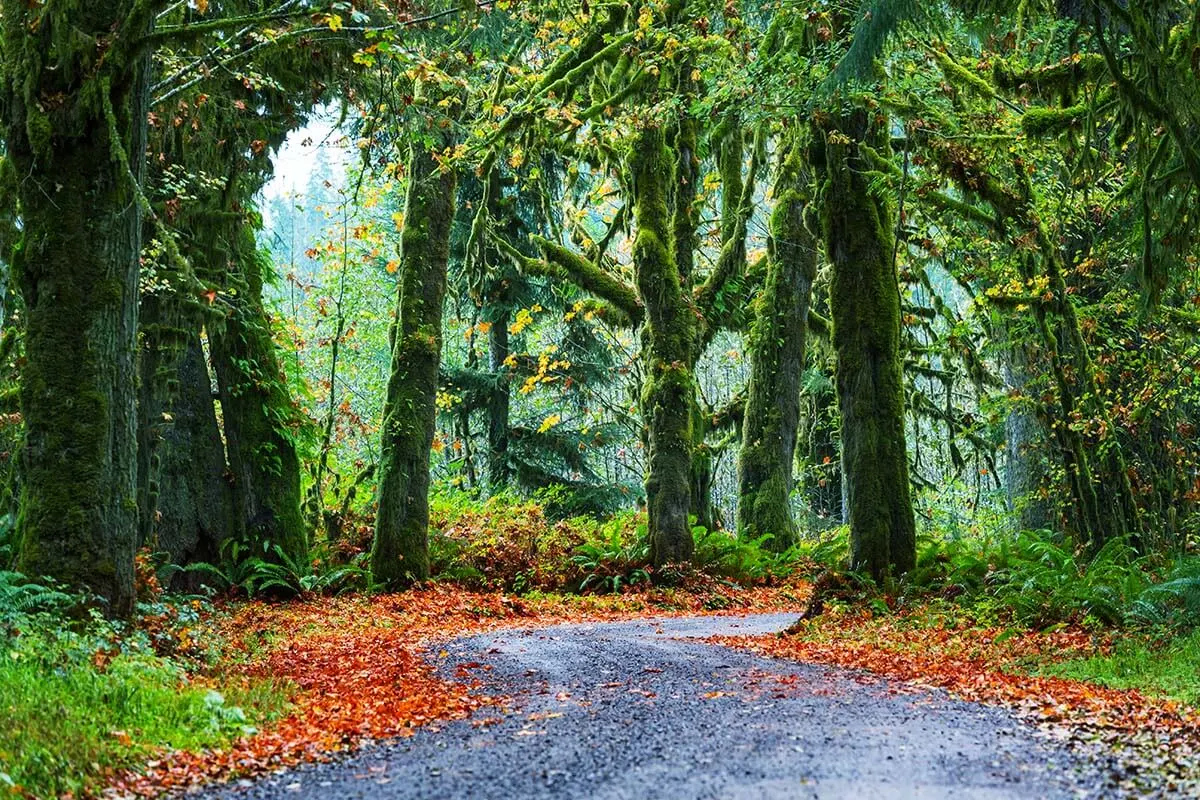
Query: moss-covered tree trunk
x=73, y=89
x=865, y=306
x=668, y=392
x=776, y=350
x=499, y=401
x=400, y=553
x=685, y=243
x=259, y=415
x=185, y=500
x=1024, y=436
x=820, y=450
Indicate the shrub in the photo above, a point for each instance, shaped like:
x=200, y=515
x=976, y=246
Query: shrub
x=504, y=543
x=272, y=572
x=617, y=558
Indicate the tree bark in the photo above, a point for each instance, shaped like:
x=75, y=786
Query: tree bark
x=499, y=404
x=76, y=137
x=865, y=306
x=776, y=349
x=400, y=553
x=1025, y=468
x=195, y=499
x=669, y=389
x=259, y=415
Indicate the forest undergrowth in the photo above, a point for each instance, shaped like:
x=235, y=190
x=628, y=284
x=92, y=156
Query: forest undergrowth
x=286, y=668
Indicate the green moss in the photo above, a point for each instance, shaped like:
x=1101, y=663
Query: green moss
x=1052, y=121
x=259, y=415
x=668, y=393
x=865, y=306
x=400, y=550
x=776, y=350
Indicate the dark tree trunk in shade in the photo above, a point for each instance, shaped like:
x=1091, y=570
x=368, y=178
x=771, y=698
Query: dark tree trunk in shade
x=498, y=407
x=195, y=497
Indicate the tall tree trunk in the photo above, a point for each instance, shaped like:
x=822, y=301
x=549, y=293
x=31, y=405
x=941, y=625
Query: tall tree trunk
x=777, y=352
x=499, y=401
x=195, y=499
x=400, y=553
x=76, y=137
x=259, y=415
x=157, y=362
x=685, y=242
x=498, y=407
x=1025, y=468
x=669, y=388
x=865, y=305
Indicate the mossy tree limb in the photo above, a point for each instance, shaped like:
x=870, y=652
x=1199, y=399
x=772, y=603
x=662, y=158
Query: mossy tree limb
x=865, y=306
x=400, y=552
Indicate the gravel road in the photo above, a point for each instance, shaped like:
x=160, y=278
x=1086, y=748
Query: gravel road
x=645, y=710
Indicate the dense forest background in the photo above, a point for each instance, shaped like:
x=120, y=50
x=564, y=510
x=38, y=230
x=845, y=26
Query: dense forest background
x=333, y=329
x=756, y=267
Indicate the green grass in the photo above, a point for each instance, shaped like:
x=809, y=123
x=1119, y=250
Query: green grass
x=1170, y=669
x=65, y=724
x=82, y=697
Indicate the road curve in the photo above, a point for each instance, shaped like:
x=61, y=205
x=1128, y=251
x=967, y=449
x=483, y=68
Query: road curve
x=645, y=710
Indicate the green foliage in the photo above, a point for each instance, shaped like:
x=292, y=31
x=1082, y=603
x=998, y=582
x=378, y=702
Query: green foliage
x=20, y=597
x=509, y=544
x=741, y=559
x=268, y=570
x=83, y=696
x=503, y=543
x=1150, y=664
x=828, y=552
x=615, y=559
x=1174, y=602
x=1036, y=579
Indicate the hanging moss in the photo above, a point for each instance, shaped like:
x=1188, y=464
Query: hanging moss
x=776, y=350
x=400, y=552
x=865, y=306
x=669, y=388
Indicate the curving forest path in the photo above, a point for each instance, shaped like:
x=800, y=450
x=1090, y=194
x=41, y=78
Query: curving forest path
x=647, y=709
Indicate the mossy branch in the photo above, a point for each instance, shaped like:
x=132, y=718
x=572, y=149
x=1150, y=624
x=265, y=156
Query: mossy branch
x=1051, y=79
x=563, y=264
x=732, y=260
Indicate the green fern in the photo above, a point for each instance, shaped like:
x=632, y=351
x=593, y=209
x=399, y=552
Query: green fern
x=19, y=596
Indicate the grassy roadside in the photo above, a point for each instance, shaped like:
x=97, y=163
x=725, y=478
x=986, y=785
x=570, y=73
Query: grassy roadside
x=188, y=694
x=1158, y=666
x=83, y=698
